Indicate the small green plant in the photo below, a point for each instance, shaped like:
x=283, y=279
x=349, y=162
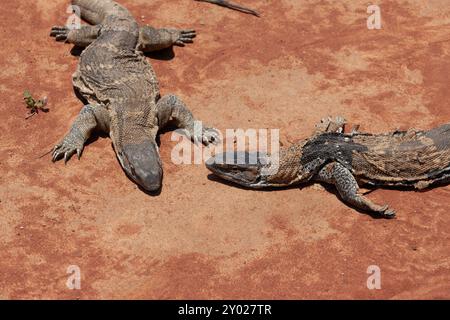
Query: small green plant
x=33, y=105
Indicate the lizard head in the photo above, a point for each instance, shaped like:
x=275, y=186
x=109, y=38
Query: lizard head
x=142, y=164
x=242, y=168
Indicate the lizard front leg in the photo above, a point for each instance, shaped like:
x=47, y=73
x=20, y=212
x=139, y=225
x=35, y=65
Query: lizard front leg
x=347, y=186
x=89, y=119
x=171, y=108
x=80, y=37
x=151, y=39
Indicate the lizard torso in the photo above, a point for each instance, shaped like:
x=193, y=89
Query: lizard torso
x=113, y=75
x=398, y=158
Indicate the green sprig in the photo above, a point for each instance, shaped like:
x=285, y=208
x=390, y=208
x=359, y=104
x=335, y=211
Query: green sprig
x=33, y=105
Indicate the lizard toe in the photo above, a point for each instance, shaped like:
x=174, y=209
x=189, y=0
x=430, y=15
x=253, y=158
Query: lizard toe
x=389, y=214
x=65, y=150
x=68, y=154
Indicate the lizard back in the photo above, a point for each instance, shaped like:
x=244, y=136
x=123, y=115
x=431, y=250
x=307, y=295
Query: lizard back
x=397, y=158
x=403, y=158
x=110, y=71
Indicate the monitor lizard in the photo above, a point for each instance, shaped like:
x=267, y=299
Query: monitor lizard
x=412, y=158
x=121, y=91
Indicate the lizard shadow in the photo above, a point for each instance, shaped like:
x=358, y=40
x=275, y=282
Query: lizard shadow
x=76, y=51
x=163, y=55
x=214, y=178
x=328, y=188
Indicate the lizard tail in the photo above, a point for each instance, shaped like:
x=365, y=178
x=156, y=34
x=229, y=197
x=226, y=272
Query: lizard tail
x=95, y=11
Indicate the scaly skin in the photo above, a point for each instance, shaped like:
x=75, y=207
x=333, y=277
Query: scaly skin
x=412, y=158
x=121, y=90
x=229, y=5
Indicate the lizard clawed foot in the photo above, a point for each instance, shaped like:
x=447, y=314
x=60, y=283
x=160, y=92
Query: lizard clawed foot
x=66, y=150
x=207, y=136
x=60, y=33
x=183, y=36
x=387, y=213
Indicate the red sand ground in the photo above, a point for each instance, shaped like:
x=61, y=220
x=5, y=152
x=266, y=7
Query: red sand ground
x=301, y=61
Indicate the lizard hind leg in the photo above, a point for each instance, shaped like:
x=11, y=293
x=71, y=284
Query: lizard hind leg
x=347, y=187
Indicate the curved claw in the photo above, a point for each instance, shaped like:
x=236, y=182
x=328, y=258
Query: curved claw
x=55, y=153
x=185, y=36
x=60, y=33
x=389, y=214
x=188, y=33
x=179, y=43
x=58, y=30
x=61, y=37
x=55, y=156
x=65, y=151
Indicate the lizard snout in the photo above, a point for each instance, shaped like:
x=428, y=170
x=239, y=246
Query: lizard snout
x=243, y=168
x=142, y=164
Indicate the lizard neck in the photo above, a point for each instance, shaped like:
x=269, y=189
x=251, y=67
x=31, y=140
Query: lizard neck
x=287, y=169
x=132, y=123
x=134, y=139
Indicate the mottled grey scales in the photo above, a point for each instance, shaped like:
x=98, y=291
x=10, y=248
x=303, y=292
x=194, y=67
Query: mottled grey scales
x=411, y=158
x=122, y=90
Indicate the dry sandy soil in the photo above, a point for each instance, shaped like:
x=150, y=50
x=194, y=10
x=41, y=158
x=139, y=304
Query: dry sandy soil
x=299, y=62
